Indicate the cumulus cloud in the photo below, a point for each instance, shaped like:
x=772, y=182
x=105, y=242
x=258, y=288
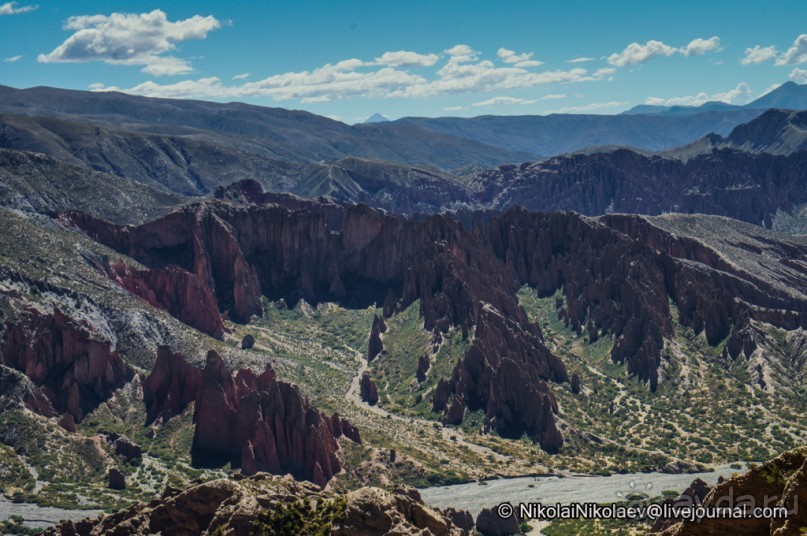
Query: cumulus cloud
x=504, y=101
x=758, y=54
x=593, y=107
x=579, y=60
x=12, y=59
x=10, y=8
x=461, y=54
x=242, y=76
x=518, y=60
x=636, y=53
x=796, y=54
x=406, y=58
x=739, y=95
x=462, y=71
x=799, y=75
x=699, y=46
x=131, y=39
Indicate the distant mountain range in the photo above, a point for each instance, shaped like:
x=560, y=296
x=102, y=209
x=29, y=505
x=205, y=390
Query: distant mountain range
x=774, y=132
x=789, y=96
x=441, y=143
x=274, y=133
x=646, y=128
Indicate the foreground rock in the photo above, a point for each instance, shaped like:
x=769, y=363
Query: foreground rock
x=267, y=504
x=781, y=482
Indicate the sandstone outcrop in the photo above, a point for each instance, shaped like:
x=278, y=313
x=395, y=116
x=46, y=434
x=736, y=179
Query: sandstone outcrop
x=781, y=482
x=115, y=479
x=61, y=357
x=489, y=523
x=181, y=294
x=374, y=345
x=254, y=422
x=172, y=384
x=368, y=390
x=614, y=277
x=247, y=342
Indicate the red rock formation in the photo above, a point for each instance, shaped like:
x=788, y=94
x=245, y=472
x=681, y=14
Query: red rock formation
x=781, y=482
x=575, y=384
x=74, y=371
x=617, y=277
x=489, y=523
x=423, y=368
x=181, y=294
x=171, y=386
x=374, y=345
x=368, y=390
x=252, y=421
x=115, y=479
x=247, y=342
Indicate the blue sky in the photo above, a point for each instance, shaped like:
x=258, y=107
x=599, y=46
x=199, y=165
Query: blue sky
x=351, y=59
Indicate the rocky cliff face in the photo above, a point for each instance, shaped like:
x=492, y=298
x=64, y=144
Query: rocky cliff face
x=178, y=292
x=617, y=277
x=172, y=384
x=726, y=182
x=251, y=421
x=72, y=369
x=779, y=483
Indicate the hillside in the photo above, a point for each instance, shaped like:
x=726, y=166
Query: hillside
x=756, y=188
x=269, y=132
x=780, y=132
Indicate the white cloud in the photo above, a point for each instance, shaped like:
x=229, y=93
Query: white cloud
x=312, y=100
x=796, y=54
x=517, y=60
x=603, y=72
x=96, y=86
x=461, y=71
x=700, y=46
x=635, y=53
x=758, y=54
x=131, y=39
x=453, y=108
x=242, y=76
x=739, y=95
x=593, y=107
x=10, y=8
x=579, y=60
x=799, y=75
x=405, y=58
x=504, y=101
x=12, y=59
x=461, y=54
